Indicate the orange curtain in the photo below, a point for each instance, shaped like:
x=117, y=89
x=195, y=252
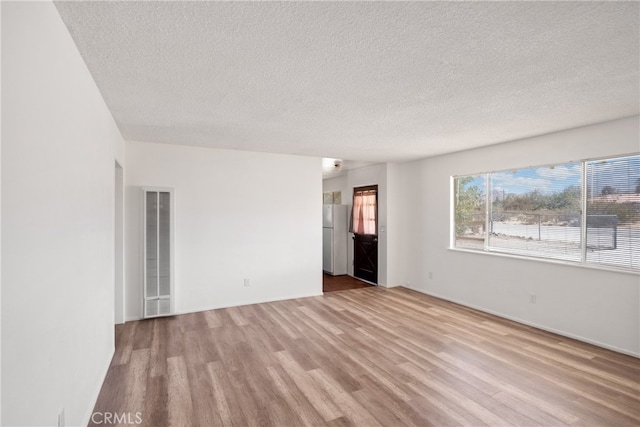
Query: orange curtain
x=364, y=213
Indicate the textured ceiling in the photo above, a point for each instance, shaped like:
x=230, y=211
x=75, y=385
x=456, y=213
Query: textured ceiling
x=370, y=81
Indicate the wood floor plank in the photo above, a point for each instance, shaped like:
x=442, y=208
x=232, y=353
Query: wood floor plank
x=363, y=357
x=143, y=335
x=387, y=409
x=575, y=381
x=455, y=394
x=236, y=316
x=196, y=356
x=346, y=372
x=227, y=404
x=282, y=321
x=254, y=405
x=156, y=401
x=361, y=361
x=538, y=414
x=316, y=395
x=293, y=396
x=433, y=413
x=213, y=321
x=280, y=414
x=158, y=354
x=124, y=343
x=179, y=405
x=507, y=388
x=447, y=410
x=135, y=384
x=344, y=400
x=528, y=376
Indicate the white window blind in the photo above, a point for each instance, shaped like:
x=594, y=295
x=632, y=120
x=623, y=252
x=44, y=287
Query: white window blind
x=613, y=212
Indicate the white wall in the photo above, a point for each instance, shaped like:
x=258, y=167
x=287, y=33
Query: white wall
x=395, y=217
x=59, y=143
x=370, y=175
x=238, y=215
x=118, y=279
x=0, y=224
x=593, y=305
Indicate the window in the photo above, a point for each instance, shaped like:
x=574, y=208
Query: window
x=538, y=212
x=332, y=198
x=470, y=209
x=364, y=211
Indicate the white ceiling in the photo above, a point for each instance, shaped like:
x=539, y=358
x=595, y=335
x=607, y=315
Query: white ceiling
x=368, y=81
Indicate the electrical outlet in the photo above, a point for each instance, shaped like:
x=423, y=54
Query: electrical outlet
x=533, y=298
x=61, y=418
x=246, y=283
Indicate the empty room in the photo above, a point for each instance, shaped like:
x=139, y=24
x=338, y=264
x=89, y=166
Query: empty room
x=320, y=213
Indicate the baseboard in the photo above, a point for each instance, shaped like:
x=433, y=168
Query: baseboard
x=388, y=286
x=371, y=283
x=532, y=324
x=249, y=302
x=239, y=304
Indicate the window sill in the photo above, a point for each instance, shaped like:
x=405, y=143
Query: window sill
x=548, y=261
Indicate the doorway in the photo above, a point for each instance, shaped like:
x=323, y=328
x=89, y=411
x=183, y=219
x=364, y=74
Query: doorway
x=365, y=233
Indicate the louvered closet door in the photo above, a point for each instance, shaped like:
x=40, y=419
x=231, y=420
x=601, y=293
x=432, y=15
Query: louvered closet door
x=158, y=271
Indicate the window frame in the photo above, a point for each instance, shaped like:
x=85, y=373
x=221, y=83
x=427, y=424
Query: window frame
x=487, y=250
x=362, y=191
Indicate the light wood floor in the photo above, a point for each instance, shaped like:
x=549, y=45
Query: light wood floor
x=365, y=357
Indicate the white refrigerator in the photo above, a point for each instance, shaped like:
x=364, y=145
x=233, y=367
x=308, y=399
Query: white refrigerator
x=334, y=239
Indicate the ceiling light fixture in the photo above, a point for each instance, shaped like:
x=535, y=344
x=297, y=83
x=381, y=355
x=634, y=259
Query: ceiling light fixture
x=329, y=164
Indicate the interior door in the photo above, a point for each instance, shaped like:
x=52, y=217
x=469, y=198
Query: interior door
x=364, y=223
x=365, y=257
